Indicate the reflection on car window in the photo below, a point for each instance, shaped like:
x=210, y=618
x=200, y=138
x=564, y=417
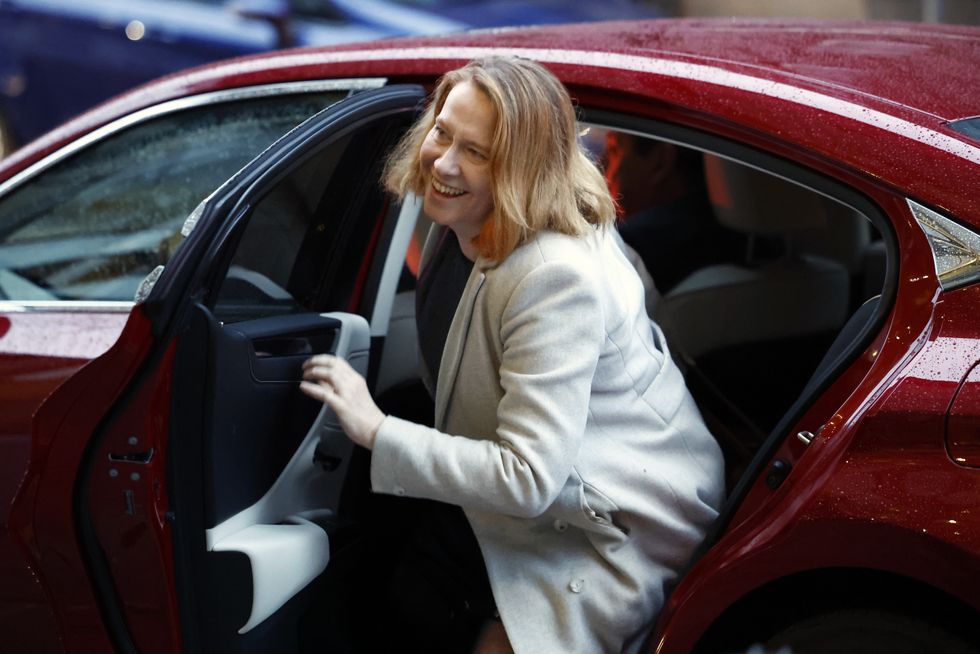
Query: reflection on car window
x=307, y=244
x=258, y=281
x=758, y=275
x=92, y=226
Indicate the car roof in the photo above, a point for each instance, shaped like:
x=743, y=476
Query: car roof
x=934, y=69
x=908, y=79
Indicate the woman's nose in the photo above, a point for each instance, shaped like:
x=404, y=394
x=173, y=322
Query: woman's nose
x=447, y=163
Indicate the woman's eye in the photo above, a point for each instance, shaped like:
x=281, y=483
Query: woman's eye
x=439, y=133
x=477, y=155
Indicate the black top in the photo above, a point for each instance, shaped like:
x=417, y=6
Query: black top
x=450, y=597
x=440, y=287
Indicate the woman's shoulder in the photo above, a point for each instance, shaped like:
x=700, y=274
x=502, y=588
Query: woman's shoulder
x=543, y=265
x=549, y=247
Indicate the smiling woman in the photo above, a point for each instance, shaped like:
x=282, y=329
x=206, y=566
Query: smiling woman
x=800, y=193
x=455, y=157
x=570, y=489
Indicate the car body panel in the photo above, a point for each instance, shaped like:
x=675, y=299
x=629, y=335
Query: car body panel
x=881, y=508
x=31, y=368
x=878, y=470
x=112, y=413
x=126, y=494
x=41, y=514
x=961, y=438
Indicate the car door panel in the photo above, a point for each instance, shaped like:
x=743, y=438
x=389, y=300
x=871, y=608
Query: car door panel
x=270, y=480
x=257, y=417
x=186, y=455
x=285, y=547
x=42, y=514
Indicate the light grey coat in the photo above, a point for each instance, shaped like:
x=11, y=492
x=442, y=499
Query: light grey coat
x=567, y=435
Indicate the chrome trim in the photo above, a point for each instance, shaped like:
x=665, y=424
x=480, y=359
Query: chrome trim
x=182, y=104
x=146, y=286
x=955, y=249
x=65, y=306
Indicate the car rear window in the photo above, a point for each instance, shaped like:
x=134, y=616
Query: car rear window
x=968, y=127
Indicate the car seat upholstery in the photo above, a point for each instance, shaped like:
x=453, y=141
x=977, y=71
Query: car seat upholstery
x=844, y=237
x=758, y=327
x=792, y=295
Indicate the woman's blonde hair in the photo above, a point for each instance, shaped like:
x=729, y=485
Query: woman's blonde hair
x=542, y=178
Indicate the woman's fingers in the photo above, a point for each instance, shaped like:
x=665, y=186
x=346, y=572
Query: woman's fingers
x=321, y=360
x=324, y=361
x=343, y=381
x=333, y=381
x=317, y=373
x=318, y=392
x=329, y=368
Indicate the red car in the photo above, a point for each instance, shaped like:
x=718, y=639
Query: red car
x=165, y=487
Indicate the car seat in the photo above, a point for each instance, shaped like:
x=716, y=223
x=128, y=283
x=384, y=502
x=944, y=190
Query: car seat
x=754, y=330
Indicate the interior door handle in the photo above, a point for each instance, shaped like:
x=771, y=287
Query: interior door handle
x=285, y=346
x=291, y=345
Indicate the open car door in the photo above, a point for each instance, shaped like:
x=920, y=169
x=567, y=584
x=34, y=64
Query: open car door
x=208, y=486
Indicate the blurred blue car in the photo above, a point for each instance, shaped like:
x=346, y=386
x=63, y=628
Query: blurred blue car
x=59, y=57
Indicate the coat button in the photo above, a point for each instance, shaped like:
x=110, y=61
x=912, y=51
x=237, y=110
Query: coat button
x=560, y=525
x=399, y=491
x=576, y=585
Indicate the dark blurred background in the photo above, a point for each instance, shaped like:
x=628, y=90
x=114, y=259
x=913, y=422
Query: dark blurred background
x=60, y=57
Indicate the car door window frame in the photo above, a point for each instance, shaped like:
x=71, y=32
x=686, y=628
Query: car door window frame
x=166, y=108
x=838, y=191
x=171, y=306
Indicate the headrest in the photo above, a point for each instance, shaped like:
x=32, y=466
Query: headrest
x=754, y=202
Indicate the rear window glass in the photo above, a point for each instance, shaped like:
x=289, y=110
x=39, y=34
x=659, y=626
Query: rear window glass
x=968, y=126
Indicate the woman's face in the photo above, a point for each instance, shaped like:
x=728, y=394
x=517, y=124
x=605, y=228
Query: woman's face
x=456, y=162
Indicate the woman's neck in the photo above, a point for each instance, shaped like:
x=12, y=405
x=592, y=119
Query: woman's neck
x=469, y=250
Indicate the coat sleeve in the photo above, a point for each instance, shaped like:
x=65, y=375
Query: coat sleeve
x=551, y=331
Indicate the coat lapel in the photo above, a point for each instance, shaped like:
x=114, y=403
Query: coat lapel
x=456, y=340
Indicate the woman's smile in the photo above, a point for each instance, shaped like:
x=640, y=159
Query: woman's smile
x=446, y=190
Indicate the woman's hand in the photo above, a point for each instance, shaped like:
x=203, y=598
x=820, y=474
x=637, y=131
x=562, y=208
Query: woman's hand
x=331, y=380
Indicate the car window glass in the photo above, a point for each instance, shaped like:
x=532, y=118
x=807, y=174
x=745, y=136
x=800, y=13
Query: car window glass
x=757, y=275
x=305, y=245
x=92, y=226
x=967, y=126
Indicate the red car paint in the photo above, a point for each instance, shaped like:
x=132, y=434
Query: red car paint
x=865, y=104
